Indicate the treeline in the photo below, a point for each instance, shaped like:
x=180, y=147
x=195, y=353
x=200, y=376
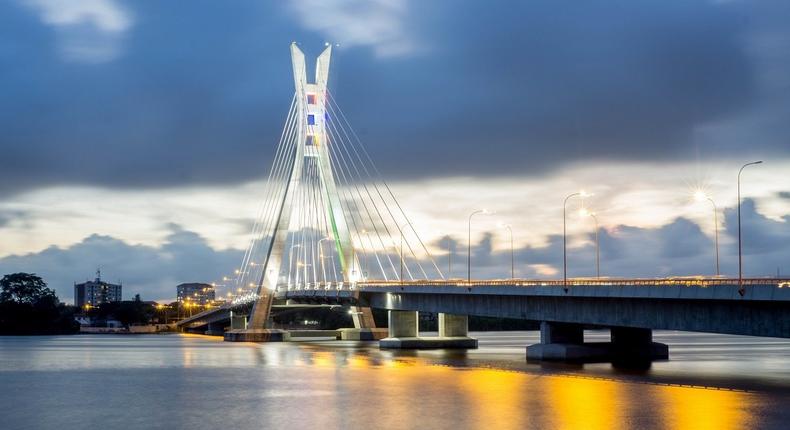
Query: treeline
x=27, y=306
x=127, y=313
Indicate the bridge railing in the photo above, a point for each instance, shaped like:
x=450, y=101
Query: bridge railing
x=680, y=281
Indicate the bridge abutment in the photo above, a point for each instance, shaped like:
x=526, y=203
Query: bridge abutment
x=565, y=342
x=404, y=332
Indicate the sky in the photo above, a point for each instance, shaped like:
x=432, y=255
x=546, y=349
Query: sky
x=136, y=136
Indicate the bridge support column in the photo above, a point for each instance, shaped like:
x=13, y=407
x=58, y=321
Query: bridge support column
x=403, y=323
x=565, y=342
x=238, y=322
x=215, y=329
x=630, y=343
x=404, y=332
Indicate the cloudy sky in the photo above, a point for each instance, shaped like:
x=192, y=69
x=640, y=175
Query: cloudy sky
x=136, y=135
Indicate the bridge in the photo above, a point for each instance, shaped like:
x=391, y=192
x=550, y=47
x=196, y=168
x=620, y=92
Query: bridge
x=331, y=233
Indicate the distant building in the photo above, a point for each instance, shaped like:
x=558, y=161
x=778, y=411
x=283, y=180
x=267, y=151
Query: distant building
x=196, y=292
x=96, y=292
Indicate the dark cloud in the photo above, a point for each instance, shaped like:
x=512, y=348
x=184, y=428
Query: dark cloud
x=505, y=87
x=675, y=249
x=153, y=272
x=760, y=235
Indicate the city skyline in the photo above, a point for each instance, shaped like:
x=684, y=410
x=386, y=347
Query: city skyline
x=641, y=131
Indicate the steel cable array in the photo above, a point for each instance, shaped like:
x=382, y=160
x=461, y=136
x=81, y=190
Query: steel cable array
x=313, y=256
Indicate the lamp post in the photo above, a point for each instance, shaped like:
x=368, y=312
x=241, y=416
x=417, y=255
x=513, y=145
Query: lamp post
x=700, y=196
x=512, y=258
x=597, y=242
x=741, y=291
x=565, y=238
x=469, y=244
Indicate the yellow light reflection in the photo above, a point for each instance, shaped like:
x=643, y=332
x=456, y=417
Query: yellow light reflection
x=323, y=359
x=358, y=362
x=578, y=403
x=505, y=390
x=704, y=409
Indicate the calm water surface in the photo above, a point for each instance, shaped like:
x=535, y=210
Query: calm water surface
x=183, y=381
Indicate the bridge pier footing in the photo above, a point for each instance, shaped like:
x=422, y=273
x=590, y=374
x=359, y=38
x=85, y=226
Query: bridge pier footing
x=565, y=342
x=255, y=335
x=362, y=333
x=404, y=332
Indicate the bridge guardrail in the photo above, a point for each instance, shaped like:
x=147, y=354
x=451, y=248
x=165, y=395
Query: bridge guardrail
x=690, y=282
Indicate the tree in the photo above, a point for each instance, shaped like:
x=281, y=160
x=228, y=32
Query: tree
x=25, y=288
x=27, y=306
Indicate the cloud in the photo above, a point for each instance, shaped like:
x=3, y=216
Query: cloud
x=8, y=216
x=151, y=271
x=535, y=86
x=89, y=31
x=678, y=248
x=379, y=24
x=760, y=234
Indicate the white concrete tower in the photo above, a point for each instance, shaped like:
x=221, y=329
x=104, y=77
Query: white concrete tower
x=312, y=147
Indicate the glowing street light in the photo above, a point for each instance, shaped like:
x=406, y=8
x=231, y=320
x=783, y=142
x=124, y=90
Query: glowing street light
x=585, y=212
x=469, y=243
x=701, y=196
x=512, y=258
x=741, y=291
x=565, y=237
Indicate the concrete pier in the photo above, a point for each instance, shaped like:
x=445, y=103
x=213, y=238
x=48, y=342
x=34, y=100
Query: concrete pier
x=311, y=334
x=255, y=335
x=404, y=332
x=362, y=333
x=215, y=329
x=565, y=342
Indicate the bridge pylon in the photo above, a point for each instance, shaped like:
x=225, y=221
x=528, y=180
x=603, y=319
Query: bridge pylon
x=310, y=162
x=328, y=219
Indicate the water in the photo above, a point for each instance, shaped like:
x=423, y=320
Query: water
x=185, y=381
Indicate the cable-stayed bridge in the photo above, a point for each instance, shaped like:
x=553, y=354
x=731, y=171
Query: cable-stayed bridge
x=330, y=232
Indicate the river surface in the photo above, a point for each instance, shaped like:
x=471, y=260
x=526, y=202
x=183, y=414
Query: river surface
x=198, y=382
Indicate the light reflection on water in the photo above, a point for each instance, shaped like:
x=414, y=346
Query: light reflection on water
x=186, y=381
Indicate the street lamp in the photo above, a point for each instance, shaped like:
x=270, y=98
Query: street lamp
x=565, y=237
x=741, y=291
x=700, y=196
x=512, y=258
x=584, y=212
x=469, y=244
